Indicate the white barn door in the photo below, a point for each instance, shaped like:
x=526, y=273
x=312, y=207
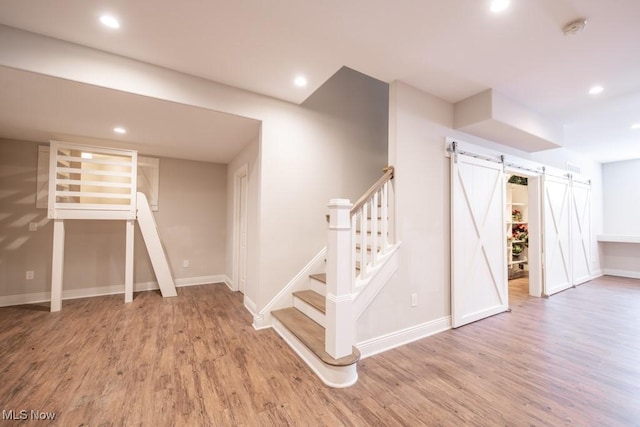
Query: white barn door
x=580, y=232
x=556, y=230
x=478, y=241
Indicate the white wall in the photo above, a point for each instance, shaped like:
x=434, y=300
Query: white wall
x=299, y=145
x=621, y=197
x=621, y=207
x=419, y=125
x=333, y=146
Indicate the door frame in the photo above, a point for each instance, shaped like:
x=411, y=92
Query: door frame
x=238, y=216
x=534, y=194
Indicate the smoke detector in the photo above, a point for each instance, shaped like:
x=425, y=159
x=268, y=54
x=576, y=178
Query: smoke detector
x=574, y=27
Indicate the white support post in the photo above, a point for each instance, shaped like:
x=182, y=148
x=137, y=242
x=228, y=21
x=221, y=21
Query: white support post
x=339, y=335
x=128, y=267
x=57, y=265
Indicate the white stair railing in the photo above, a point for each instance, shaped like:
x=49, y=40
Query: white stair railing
x=360, y=236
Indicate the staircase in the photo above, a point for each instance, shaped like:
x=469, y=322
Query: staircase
x=304, y=323
x=320, y=324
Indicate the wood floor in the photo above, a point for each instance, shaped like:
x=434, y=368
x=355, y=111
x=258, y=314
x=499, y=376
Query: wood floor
x=573, y=359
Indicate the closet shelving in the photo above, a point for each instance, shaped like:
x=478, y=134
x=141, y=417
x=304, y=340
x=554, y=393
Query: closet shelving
x=516, y=230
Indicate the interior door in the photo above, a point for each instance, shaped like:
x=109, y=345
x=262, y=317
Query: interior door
x=580, y=232
x=478, y=241
x=556, y=230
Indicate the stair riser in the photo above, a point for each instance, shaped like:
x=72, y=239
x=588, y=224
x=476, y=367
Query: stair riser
x=333, y=376
x=318, y=287
x=310, y=311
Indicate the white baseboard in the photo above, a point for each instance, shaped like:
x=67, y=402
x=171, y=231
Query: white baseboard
x=405, y=336
x=250, y=305
x=202, y=280
x=69, y=294
x=333, y=376
x=621, y=273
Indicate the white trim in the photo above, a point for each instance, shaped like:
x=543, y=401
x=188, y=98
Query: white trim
x=241, y=172
x=621, y=273
x=39, y=297
x=284, y=298
x=368, y=290
x=201, y=280
x=405, y=336
x=596, y=274
x=339, y=298
x=618, y=238
x=250, y=305
x=333, y=376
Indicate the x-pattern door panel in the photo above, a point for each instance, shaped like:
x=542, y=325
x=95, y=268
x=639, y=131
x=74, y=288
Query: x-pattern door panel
x=580, y=232
x=557, y=262
x=478, y=244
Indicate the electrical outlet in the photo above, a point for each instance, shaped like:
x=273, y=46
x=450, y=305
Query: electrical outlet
x=30, y=275
x=414, y=300
x=185, y=263
x=33, y=226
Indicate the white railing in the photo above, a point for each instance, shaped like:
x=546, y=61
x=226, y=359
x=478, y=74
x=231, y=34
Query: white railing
x=87, y=182
x=370, y=229
x=360, y=237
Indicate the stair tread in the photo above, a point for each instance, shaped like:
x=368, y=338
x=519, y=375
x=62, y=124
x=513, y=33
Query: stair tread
x=321, y=277
x=312, y=335
x=313, y=298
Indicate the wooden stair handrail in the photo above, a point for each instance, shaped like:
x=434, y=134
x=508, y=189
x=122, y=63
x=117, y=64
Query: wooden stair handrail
x=388, y=175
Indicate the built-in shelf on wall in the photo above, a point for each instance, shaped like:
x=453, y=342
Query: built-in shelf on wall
x=618, y=238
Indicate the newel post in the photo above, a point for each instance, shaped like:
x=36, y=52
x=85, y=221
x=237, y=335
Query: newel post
x=339, y=318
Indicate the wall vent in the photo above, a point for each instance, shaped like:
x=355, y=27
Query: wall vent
x=573, y=168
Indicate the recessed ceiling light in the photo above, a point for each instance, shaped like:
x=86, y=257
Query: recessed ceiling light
x=499, y=5
x=595, y=90
x=300, y=81
x=109, y=21
x=86, y=155
x=120, y=130
x=635, y=126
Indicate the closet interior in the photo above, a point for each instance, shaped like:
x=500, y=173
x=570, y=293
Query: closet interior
x=517, y=227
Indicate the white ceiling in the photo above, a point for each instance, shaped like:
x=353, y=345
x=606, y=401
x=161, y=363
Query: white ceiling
x=39, y=108
x=450, y=48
